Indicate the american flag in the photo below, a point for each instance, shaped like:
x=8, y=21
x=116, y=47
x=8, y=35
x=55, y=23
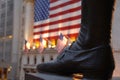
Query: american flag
x=41, y=47
x=56, y=16
x=61, y=43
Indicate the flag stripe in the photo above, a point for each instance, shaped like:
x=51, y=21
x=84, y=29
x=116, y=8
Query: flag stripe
x=64, y=4
x=64, y=16
x=58, y=2
x=60, y=21
x=57, y=18
x=65, y=8
x=57, y=29
x=46, y=35
x=51, y=1
x=75, y=22
x=65, y=12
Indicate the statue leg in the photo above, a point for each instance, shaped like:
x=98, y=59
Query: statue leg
x=91, y=53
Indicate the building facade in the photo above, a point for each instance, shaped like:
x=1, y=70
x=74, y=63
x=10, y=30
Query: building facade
x=6, y=28
x=11, y=34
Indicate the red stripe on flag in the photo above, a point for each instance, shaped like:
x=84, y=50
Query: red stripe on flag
x=64, y=4
x=59, y=21
x=52, y=1
x=65, y=12
x=57, y=29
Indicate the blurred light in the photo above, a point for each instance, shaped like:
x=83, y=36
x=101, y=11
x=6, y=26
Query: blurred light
x=49, y=46
x=9, y=69
x=69, y=44
x=77, y=76
x=37, y=44
x=3, y=37
x=44, y=43
x=73, y=39
x=28, y=45
x=33, y=47
x=10, y=36
x=53, y=46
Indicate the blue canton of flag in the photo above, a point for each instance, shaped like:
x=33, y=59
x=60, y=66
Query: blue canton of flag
x=41, y=39
x=41, y=10
x=61, y=36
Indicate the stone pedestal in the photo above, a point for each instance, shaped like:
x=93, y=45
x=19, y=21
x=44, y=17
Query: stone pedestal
x=41, y=76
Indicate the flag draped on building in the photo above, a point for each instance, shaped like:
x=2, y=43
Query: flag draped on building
x=61, y=43
x=56, y=16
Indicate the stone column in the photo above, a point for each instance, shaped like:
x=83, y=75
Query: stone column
x=28, y=30
x=116, y=27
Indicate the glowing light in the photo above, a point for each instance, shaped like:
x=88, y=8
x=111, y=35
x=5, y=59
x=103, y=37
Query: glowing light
x=9, y=69
x=69, y=44
x=44, y=43
x=77, y=76
x=53, y=43
x=49, y=46
x=37, y=44
x=33, y=47
x=73, y=39
x=10, y=36
x=28, y=45
x=53, y=46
